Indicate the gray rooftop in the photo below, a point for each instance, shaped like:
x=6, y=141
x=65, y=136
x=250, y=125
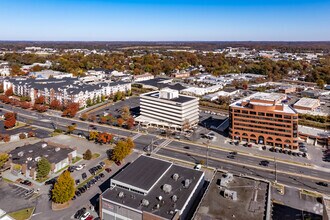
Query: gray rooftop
x=181, y=99
x=167, y=206
x=143, y=172
x=21, y=154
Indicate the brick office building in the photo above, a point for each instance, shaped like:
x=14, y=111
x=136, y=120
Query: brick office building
x=262, y=118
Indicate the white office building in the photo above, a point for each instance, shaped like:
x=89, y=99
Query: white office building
x=168, y=109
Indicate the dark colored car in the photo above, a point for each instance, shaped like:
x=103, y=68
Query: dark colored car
x=26, y=182
x=264, y=163
x=78, y=193
x=101, y=175
x=77, y=182
x=108, y=170
x=102, y=164
x=118, y=163
x=71, y=169
x=322, y=184
x=99, y=167
x=84, y=176
x=233, y=153
x=231, y=156
x=79, y=213
x=51, y=181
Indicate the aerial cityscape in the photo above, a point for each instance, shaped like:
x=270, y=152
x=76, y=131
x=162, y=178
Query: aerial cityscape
x=154, y=110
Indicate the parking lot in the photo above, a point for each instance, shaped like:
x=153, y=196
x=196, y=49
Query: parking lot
x=14, y=197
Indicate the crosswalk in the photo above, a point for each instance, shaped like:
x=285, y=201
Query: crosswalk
x=136, y=136
x=163, y=144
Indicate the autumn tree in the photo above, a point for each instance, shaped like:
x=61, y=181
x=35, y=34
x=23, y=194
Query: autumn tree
x=43, y=168
x=84, y=116
x=40, y=100
x=25, y=105
x=64, y=188
x=16, y=70
x=87, y=155
x=130, y=122
x=10, y=120
x=55, y=104
x=104, y=138
x=130, y=143
x=31, y=134
x=22, y=136
x=93, y=135
x=39, y=108
x=320, y=83
x=6, y=138
x=120, y=122
x=3, y=159
x=71, y=128
x=120, y=151
x=71, y=110
x=9, y=91
x=125, y=113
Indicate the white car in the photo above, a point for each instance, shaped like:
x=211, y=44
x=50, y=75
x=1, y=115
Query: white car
x=198, y=167
x=85, y=216
x=80, y=167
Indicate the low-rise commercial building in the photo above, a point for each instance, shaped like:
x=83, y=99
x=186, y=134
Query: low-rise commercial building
x=262, y=118
x=151, y=188
x=168, y=109
x=307, y=104
x=27, y=157
x=143, y=77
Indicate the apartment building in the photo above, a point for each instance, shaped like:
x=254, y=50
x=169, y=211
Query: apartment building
x=262, y=118
x=65, y=90
x=167, y=109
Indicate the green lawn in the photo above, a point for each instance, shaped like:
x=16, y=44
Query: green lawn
x=95, y=155
x=64, y=168
x=75, y=160
x=22, y=214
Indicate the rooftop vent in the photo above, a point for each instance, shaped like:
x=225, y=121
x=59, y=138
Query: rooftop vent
x=186, y=183
x=46, y=155
x=29, y=158
x=20, y=154
x=175, y=176
x=121, y=194
x=145, y=202
x=167, y=188
x=174, y=198
x=57, y=149
x=160, y=198
x=157, y=206
x=30, y=151
x=44, y=145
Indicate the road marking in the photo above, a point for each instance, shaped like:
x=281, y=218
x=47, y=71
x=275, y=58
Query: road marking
x=251, y=166
x=136, y=136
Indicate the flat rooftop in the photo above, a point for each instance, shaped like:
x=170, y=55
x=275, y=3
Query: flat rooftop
x=167, y=207
x=143, y=173
x=215, y=206
x=26, y=154
x=307, y=102
x=181, y=99
x=257, y=98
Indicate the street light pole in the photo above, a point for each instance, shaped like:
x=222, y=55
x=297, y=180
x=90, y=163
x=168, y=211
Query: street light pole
x=275, y=169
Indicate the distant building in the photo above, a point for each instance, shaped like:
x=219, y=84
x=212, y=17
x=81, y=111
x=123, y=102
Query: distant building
x=215, y=96
x=46, y=74
x=262, y=118
x=28, y=156
x=143, y=77
x=151, y=188
x=26, y=68
x=307, y=104
x=287, y=89
x=316, y=93
x=168, y=109
x=65, y=90
x=181, y=74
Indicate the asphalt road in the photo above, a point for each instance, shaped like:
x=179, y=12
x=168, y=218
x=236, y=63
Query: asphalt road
x=297, y=179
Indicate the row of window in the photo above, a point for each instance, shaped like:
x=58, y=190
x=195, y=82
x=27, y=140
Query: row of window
x=263, y=132
x=263, y=114
x=264, y=123
x=261, y=127
x=263, y=118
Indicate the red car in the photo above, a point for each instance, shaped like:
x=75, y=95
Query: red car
x=108, y=170
x=118, y=163
x=90, y=217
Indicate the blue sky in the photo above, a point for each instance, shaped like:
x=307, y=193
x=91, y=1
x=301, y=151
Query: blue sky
x=160, y=20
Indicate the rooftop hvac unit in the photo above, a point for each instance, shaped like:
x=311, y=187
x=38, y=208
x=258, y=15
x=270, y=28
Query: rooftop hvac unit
x=174, y=198
x=29, y=158
x=44, y=145
x=167, y=188
x=57, y=149
x=186, y=183
x=175, y=176
x=145, y=202
x=157, y=206
x=30, y=151
x=160, y=198
x=37, y=159
x=121, y=194
x=20, y=154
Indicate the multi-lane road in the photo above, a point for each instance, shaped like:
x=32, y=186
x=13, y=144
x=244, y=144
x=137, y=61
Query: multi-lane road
x=244, y=164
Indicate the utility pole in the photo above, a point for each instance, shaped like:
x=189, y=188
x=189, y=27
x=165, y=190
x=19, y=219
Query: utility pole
x=275, y=169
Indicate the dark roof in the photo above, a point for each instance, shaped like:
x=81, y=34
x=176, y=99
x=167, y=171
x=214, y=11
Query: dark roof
x=143, y=172
x=181, y=99
x=36, y=150
x=167, y=206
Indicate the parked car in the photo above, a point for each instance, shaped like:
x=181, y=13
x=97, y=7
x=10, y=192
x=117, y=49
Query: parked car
x=77, y=182
x=231, y=156
x=85, y=216
x=84, y=176
x=108, y=170
x=80, y=167
x=101, y=175
x=26, y=182
x=118, y=163
x=80, y=213
x=51, y=181
x=102, y=163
